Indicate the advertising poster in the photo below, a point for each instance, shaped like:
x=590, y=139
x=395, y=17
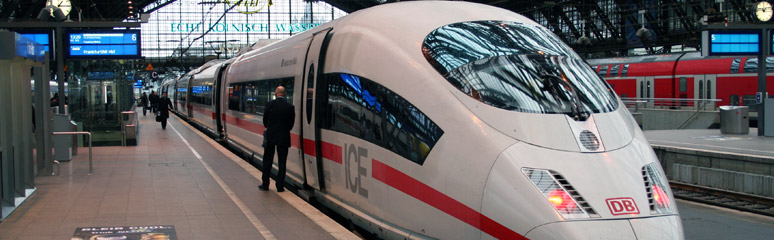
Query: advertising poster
x=150, y=232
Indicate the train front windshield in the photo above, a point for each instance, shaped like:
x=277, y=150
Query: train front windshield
x=517, y=67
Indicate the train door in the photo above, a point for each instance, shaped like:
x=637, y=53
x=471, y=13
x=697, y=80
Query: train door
x=310, y=143
x=188, y=97
x=645, y=89
x=216, y=100
x=704, y=87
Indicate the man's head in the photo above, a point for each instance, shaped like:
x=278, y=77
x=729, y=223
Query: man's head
x=164, y=94
x=280, y=91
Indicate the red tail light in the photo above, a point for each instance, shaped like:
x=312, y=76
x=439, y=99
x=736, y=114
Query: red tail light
x=561, y=200
x=660, y=196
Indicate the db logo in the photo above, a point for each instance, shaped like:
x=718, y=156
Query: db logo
x=620, y=206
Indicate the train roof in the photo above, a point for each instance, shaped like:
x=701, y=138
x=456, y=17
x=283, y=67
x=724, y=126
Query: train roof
x=653, y=58
x=381, y=20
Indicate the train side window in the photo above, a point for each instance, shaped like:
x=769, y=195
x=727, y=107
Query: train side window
x=733, y=100
x=735, y=65
x=709, y=89
x=701, y=89
x=683, y=84
x=234, y=94
x=252, y=97
x=625, y=69
x=369, y=111
x=182, y=91
x=603, y=71
x=614, y=70
x=751, y=65
x=750, y=101
x=310, y=91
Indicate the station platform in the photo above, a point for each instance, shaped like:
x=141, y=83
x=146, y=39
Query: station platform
x=742, y=163
x=175, y=183
x=711, y=140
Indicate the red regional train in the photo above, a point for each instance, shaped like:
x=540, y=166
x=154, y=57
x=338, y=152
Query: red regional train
x=732, y=79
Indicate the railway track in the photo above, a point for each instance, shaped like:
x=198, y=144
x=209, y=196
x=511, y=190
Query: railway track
x=724, y=198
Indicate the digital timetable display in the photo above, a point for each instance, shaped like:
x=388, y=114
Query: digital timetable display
x=42, y=37
x=101, y=44
x=739, y=42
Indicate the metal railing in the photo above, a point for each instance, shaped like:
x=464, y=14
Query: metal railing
x=91, y=169
x=633, y=105
x=671, y=103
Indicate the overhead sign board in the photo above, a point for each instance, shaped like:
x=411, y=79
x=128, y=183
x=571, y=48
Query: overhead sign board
x=771, y=41
x=40, y=37
x=100, y=75
x=732, y=42
x=103, y=44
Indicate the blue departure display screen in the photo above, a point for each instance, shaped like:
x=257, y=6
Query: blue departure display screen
x=93, y=44
x=771, y=39
x=40, y=37
x=734, y=42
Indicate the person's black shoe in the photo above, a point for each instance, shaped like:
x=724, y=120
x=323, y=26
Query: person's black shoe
x=280, y=190
x=263, y=188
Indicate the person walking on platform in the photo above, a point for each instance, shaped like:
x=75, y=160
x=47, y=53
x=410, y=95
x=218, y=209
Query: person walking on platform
x=164, y=105
x=54, y=102
x=278, y=118
x=154, y=102
x=144, y=103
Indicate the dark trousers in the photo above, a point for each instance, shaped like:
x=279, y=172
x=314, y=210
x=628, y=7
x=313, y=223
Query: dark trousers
x=163, y=123
x=144, y=109
x=268, y=159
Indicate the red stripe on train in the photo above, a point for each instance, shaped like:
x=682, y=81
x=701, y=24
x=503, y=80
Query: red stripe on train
x=309, y=148
x=331, y=152
x=399, y=181
x=440, y=201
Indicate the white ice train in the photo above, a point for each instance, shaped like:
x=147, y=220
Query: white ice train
x=450, y=120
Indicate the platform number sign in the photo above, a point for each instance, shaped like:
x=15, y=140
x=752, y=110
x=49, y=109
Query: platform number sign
x=622, y=206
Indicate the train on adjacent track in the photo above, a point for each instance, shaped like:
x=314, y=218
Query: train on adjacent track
x=450, y=120
x=688, y=75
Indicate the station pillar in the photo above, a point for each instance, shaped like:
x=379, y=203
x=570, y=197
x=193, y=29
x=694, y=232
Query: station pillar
x=17, y=59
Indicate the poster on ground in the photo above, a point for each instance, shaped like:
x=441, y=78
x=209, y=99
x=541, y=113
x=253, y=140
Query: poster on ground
x=149, y=232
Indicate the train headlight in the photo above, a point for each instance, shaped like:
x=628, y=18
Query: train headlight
x=559, y=193
x=561, y=200
x=655, y=187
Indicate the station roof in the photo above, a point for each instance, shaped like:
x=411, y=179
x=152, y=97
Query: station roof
x=593, y=28
x=117, y=10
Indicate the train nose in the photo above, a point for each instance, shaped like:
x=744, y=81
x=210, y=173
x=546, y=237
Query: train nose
x=639, y=228
x=544, y=193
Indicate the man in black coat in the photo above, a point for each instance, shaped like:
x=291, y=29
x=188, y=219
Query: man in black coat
x=144, y=103
x=278, y=118
x=164, y=105
x=154, y=101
